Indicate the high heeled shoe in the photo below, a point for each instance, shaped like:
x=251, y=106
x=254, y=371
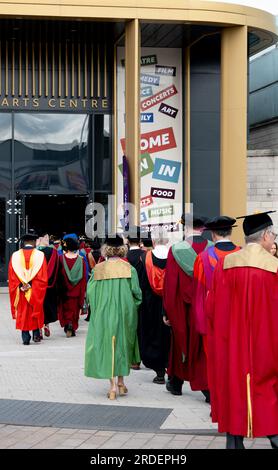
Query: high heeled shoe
x=122, y=390
x=112, y=394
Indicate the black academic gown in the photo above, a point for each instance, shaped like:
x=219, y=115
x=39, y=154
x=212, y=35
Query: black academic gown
x=50, y=300
x=154, y=334
x=134, y=257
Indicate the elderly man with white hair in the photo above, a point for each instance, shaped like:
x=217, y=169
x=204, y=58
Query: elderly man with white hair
x=155, y=335
x=242, y=337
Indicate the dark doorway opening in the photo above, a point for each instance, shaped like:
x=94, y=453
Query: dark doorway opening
x=55, y=214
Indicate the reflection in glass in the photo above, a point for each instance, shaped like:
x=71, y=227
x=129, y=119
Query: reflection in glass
x=2, y=239
x=103, y=161
x=5, y=151
x=51, y=152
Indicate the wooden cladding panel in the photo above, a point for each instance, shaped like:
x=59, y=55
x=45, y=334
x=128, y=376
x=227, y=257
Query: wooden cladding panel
x=54, y=69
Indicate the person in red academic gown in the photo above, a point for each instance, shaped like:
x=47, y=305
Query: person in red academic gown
x=205, y=263
x=177, y=299
x=27, y=288
x=242, y=338
x=71, y=287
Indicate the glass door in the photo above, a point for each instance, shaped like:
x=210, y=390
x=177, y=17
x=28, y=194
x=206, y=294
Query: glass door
x=10, y=220
x=4, y=242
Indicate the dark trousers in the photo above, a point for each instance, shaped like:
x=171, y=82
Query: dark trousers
x=236, y=442
x=176, y=383
x=160, y=372
x=26, y=335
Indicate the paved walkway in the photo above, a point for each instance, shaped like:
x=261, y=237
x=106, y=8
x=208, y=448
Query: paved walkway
x=53, y=372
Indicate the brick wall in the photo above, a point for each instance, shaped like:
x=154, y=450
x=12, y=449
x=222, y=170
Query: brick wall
x=264, y=137
x=262, y=194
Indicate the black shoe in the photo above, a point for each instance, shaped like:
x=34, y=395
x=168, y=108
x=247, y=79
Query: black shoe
x=37, y=339
x=159, y=380
x=171, y=389
x=207, y=395
x=69, y=331
x=273, y=441
x=26, y=343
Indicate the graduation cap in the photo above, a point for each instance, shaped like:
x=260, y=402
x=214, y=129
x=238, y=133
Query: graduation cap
x=133, y=234
x=221, y=222
x=146, y=238
x=197, y=221
x=114, y=240
x=29, y=236
x=255, y=222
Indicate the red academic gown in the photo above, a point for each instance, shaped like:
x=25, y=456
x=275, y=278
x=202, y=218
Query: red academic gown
x=243, y=349
x=177, y=299
x=71, y=298
x=204, y=266
x=28, y=315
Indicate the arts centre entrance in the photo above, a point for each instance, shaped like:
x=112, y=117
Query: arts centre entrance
x=52, y=165
x=53, y=213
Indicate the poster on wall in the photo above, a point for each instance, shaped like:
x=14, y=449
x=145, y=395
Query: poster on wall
x=161, y=166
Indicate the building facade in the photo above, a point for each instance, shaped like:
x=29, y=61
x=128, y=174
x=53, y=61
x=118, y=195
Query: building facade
x=263, y=133
x=85, y=83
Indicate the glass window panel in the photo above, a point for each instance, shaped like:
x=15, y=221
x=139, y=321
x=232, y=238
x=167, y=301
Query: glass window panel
x=103, y=158
x=3, y=276
x=5, y=152
x=52, y=152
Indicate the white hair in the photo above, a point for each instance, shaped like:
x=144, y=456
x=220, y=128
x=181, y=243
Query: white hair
x=160, y=236
x=257, y=236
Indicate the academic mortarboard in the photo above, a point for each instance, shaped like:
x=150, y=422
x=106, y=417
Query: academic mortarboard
x=30, y=236
x=133, y=234
x=196, y=221
x=221, y=222
x=114, y=240
x=146, y=238
x=255, y=222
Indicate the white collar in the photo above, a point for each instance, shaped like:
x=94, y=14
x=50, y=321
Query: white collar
x=134, y=248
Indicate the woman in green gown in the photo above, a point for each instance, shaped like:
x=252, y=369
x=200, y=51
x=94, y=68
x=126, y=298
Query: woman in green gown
x=114, y=296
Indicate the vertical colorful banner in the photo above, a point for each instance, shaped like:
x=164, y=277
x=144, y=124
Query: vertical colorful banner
x=161, y=135
x=125, y=193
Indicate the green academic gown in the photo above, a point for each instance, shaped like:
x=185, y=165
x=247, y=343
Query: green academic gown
x=114, y=296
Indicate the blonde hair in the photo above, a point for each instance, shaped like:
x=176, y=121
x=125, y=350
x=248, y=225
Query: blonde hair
x=108, y=251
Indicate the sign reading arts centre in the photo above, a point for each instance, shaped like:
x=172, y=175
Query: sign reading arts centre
x=156, y=141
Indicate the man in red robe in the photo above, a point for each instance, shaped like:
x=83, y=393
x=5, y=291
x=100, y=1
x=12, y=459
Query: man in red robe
x=28, y=281
x=177, y=298
x=205, y=263
x=242, y=337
